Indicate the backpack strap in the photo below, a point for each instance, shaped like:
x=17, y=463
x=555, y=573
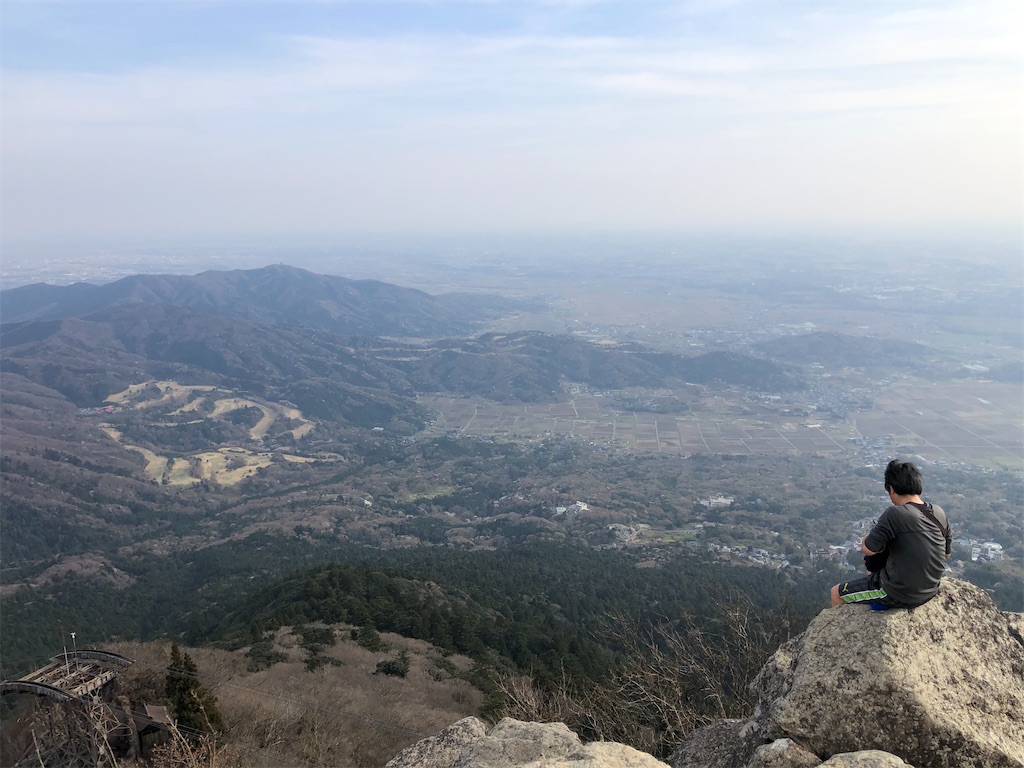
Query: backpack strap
x=929, y=512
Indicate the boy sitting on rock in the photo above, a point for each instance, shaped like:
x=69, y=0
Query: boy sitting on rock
x=905, y=550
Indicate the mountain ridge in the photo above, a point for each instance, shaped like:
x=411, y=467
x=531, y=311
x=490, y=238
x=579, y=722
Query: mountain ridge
x=276, y=295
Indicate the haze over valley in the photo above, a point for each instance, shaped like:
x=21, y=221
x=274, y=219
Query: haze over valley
x=241, y=397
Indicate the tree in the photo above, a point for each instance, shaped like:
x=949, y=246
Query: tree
x=673, y=677
x=399, y=666
x=194, y=707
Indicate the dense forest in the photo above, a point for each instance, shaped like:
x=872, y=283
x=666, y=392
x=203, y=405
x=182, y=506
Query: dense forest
x=463, y=601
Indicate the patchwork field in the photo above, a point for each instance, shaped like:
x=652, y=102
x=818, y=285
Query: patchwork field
x=595, y=420
x=976, y=422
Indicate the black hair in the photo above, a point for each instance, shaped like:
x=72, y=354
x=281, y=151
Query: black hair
x=903, y=478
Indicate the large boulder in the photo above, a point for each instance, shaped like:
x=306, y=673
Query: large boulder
x=512, y=743
x=941, y=685
x=722, y=744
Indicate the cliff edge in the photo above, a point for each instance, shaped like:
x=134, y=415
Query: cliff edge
x=939, y=686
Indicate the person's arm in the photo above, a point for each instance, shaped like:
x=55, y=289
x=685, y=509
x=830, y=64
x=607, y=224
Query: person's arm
x=878, y=537
x=944, y=526
x=864, y=546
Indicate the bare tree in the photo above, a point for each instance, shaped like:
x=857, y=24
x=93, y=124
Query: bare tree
x=673, y=676
x=678, y=675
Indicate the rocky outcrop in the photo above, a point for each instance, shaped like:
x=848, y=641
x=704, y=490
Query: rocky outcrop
x=512, y=743
x=939, y=686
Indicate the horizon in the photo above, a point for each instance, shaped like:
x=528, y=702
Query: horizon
x=389, y=258
x=221, y=122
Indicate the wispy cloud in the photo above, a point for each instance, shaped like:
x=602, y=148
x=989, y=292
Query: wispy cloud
x=883, y=53
x=690, y=99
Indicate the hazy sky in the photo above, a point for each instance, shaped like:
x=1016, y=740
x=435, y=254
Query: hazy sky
x=197, y=118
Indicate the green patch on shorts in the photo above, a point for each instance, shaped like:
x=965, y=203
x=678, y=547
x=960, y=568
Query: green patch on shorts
x=862, y=590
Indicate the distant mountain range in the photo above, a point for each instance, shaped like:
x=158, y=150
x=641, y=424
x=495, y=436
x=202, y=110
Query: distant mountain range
x=331, y=376
x=276, y=332
x=86, y=359
x=528, y=366
x=273, y=295
x=842, y=350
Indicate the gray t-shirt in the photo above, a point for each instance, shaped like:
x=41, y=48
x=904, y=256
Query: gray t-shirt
x=917, y=549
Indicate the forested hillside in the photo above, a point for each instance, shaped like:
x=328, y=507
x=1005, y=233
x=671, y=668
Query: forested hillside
x=274, y=295
x=562, y=615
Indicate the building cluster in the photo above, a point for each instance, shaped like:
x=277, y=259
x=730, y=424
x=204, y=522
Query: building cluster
x=573, y=509
x=751, y=554
x=987, y=551
x=717, y=501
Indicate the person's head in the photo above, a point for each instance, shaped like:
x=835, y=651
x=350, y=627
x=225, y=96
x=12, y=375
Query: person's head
x=903, y=478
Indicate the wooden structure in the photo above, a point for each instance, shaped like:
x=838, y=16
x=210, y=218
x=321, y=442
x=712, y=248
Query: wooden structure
x=74, y=722
x=70, y=676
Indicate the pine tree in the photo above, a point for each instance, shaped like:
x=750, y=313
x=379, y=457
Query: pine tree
x=194, y=707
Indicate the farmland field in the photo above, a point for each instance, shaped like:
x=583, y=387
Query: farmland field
x=976, y=422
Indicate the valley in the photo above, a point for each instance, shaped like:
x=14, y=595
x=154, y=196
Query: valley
x=215, y=479
x=972, y=423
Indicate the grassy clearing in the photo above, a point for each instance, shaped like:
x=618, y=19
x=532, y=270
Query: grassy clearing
x=271, y=413
x=224, y=466
x=180, y=473
x=155, y=464
x=228, y=404
x=169, y=391
x=433, y=493
x=340, y=715
x=674, y=537
x=190, y=406
x=229, y=466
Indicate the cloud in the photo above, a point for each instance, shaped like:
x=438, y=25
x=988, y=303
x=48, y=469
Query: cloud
x=706, y=113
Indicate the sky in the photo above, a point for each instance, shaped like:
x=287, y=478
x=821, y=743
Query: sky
x=192, y=119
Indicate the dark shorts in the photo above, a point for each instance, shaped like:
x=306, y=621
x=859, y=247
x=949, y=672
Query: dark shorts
x=865, y=590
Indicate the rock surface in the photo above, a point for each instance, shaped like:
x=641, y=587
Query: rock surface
x=783, y=753
x=941, y=685
x=512, y=743
x=869, y=758
x=725, y=744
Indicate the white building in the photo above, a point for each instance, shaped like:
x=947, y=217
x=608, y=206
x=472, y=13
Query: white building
x=717, y=501
x=992, y=551
x=988, y=550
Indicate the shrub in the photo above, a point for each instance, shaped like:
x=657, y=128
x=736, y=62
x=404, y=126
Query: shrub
x=399, y=666
x=312, y=636
x=368, y=638
x=263, y=656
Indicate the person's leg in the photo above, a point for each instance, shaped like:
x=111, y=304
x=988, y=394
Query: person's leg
x=866, y=589
x=836, y=599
